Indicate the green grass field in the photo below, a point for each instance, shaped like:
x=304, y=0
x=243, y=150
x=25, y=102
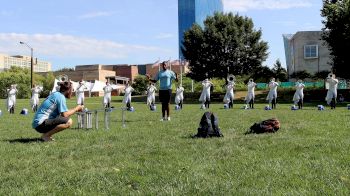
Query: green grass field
x=309, y=155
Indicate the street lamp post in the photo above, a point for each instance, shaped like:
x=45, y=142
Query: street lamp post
x=31, y=64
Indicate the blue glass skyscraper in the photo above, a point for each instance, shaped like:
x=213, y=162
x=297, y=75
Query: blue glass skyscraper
x=195, y=11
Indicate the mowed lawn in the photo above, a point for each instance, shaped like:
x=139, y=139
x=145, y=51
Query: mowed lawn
x=309, y=155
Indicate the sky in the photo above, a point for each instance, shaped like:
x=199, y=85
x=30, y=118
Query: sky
x=79, y=32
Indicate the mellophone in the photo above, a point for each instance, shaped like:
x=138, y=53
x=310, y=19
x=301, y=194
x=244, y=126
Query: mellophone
x=85, y=118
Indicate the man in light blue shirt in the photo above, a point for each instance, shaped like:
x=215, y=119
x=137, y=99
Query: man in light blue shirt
x=165, y=77
x=53, y=114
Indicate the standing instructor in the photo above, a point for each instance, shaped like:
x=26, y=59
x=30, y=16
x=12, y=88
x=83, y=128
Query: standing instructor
x=165, y=77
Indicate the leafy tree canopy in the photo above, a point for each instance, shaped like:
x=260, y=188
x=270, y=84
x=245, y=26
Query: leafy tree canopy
x=228, y=44
x=336, y=34
x=279, y=72
x=301, y=75
x=21, y=77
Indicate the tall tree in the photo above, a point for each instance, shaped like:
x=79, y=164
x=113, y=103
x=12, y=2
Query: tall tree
x=228, y=44
x=336, y=34
x=279, y=71
x=262, y=74
x=15, y=75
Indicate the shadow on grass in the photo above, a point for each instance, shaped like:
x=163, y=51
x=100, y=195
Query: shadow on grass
x=25, y=140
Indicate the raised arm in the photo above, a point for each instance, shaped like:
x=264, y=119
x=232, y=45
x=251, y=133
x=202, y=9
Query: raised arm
x=149, y=78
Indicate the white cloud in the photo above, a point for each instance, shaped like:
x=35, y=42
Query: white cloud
x=245, y=5
x=95, y=15
x=67, y=46
x=164, y=36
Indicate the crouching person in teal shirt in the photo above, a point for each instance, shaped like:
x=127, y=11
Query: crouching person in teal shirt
x=53, y=114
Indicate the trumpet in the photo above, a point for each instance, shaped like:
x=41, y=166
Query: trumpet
x=231, y=78
x=330, y=75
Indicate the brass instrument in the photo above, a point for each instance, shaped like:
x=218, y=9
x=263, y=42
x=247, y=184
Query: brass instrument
x=231, y=78
x=62, y=78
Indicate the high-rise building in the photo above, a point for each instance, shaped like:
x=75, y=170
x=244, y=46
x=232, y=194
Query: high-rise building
x=195, y=11
x=6, y=62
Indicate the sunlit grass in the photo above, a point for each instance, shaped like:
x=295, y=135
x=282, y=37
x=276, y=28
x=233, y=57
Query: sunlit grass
x=308, y=155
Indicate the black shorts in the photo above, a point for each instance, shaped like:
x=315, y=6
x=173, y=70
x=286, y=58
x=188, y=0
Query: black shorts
x=165, y=96
x=50, y=124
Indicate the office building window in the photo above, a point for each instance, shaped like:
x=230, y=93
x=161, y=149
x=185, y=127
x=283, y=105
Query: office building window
x=310, y=51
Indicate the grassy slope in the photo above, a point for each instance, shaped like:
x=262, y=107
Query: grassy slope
x=309, y=155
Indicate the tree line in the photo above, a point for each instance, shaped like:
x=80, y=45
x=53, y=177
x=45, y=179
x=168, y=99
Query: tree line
x=21, y=77
x=229, y=44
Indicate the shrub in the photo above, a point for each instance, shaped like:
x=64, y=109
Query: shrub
x=140, y=85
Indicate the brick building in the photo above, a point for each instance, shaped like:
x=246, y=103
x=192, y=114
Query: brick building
x=175, y=67
x=99, y=72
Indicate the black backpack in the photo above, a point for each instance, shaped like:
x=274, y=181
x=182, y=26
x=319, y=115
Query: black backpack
x=208, y=126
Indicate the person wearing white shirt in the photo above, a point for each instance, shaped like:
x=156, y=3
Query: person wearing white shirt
x=35, y=97
x=179, y=97
x=272, y=96
x=332, y=90
x=228, y=99
x=251, y=94
x=299, y=94
x=127, y=96
x=107, y=97
x=205, y=95
x=80, y=93
x=11, y=98
x=151, y=98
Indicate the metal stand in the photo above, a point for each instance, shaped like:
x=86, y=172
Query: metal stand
x=107, y=117
x=85, y=119
x=81, y=116
x=123, y=116
x=88, y=120
x=96, y=120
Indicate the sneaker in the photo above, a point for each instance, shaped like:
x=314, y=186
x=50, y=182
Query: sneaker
x=162, y=119
x=168, y=119
x=47, y=139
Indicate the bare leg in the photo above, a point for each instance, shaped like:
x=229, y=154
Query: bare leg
x=58, y=128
